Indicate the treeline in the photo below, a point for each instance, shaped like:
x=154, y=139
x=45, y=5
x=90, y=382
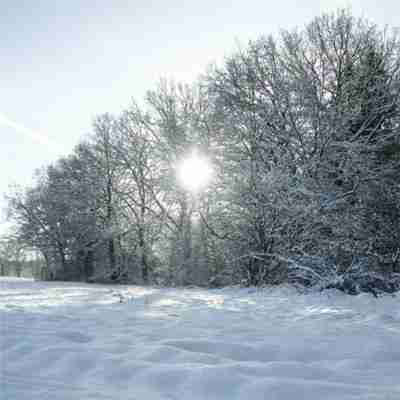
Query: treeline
x=303, y=135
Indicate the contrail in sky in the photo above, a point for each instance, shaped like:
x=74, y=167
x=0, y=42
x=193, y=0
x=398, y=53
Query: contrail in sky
x=36, y=136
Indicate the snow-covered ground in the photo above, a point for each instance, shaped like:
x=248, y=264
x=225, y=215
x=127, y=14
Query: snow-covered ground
x=66, y=341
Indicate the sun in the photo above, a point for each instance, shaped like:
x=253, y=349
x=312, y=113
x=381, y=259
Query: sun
x=194, y=172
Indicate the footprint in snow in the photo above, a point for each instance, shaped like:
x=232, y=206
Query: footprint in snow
x=75, y=337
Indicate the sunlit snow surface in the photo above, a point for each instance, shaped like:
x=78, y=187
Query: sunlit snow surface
x=67, y=341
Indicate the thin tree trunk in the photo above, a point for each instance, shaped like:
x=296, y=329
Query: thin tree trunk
x=111, y=254
x=2, y=269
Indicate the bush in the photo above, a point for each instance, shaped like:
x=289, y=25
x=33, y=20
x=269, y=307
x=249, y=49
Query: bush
x=323, y=273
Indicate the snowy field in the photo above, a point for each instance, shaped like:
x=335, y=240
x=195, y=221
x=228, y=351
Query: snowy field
x=66, y=341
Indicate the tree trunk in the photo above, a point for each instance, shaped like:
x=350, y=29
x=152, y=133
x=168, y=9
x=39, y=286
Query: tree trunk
x=88, y=264
x=2, y=268
x=111, y=254
x=142, y=241
x=143, y=256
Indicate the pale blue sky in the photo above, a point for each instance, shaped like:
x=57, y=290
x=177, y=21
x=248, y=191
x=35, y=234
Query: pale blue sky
x=64, y=61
